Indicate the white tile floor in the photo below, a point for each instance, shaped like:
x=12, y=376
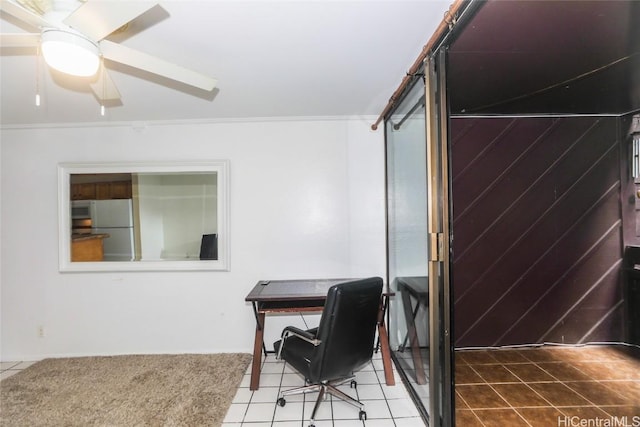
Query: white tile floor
x=386, y=406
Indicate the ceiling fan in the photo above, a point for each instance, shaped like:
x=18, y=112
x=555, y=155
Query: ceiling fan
x=72, y=38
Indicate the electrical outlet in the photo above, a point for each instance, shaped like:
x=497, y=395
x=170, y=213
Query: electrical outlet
x=41, y=331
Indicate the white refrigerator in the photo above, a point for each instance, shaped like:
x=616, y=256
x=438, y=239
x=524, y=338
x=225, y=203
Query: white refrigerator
x=115, y=218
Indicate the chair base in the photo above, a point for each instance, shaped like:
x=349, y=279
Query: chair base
x=329, y=387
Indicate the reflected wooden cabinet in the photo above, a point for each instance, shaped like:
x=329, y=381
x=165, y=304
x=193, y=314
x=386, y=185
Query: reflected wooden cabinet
x=113, y=190
x=83, y=191
x=101, y=190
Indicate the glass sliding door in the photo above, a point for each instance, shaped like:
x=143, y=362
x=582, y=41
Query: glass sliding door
x=407, y=237
x=418, y=243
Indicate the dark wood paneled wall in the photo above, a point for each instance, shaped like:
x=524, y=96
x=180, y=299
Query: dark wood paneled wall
x=537, y=228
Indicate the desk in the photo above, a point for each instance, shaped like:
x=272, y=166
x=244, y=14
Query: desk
x=418, y=288
x=299, y=296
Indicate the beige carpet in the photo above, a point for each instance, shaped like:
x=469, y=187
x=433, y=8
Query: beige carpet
x=146, y=390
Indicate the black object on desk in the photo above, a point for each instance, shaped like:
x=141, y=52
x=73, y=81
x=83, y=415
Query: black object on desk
x=299, y=296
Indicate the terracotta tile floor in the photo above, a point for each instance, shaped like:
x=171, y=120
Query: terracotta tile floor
x=548, y=386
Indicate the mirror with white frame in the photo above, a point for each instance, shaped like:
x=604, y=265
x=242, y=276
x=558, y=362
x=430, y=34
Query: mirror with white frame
x=143, y=216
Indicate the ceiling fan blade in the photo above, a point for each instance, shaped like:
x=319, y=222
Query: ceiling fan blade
x=104, y=88
x=39, y=7
x=134, y=58
x=19, y=40
x=23, y=14
x=98, y=18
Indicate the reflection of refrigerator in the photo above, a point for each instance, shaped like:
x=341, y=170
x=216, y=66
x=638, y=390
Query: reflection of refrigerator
x=115, y=218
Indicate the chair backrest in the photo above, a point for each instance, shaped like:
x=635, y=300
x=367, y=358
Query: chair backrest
x=209, y=246
x=347, y=329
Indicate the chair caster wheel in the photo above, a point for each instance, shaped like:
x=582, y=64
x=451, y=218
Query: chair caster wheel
x=362, y=415
x=353, y=384
x=281, y=401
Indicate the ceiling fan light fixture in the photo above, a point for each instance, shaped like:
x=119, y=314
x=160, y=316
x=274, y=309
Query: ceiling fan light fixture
x=70, y=53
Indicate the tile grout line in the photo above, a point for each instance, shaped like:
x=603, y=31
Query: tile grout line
x=591, y=379
x=386, y=401
x=470, y=408
x=499, y=395
x=559, y=408
x=473, y=410
x=526, y=383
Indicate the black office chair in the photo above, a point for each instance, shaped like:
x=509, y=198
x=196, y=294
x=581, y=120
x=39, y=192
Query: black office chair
x=342, y=343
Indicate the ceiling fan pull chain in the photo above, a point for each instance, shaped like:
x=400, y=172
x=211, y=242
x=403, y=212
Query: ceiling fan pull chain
x=38, y=76
x=104, y=86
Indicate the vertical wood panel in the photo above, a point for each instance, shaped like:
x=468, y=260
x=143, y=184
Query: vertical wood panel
x=537, y=230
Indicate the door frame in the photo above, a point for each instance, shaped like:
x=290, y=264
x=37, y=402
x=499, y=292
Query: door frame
x=441, y=388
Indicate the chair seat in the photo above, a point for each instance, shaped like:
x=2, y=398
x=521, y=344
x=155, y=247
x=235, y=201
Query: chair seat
x=298, y=354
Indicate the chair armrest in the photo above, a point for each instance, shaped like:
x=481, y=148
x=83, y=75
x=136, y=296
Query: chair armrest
x=308, y=336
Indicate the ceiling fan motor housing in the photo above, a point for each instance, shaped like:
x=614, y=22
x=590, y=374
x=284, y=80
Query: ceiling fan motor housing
x=70, y=52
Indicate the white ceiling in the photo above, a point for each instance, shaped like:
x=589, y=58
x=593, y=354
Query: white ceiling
x=271, y=58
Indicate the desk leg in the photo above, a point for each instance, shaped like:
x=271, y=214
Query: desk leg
x=257, y=353
x=383, y=339
x=413, y=339
x=386, y=354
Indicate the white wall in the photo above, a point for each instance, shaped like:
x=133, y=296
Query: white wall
x=307, y=200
